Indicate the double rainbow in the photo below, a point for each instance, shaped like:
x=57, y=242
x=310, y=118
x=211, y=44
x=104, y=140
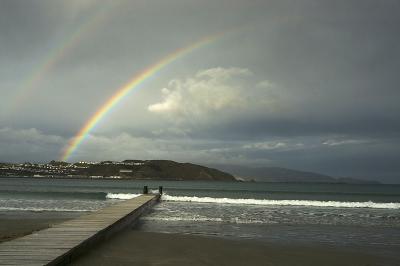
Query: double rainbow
x=123, y=91
x=56, y=54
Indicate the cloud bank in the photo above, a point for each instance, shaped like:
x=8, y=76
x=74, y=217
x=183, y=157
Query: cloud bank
x=309, y=84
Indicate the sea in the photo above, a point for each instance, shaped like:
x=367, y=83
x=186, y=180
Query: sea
x=362, y=216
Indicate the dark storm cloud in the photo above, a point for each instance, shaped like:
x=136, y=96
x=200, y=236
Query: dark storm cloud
x=259, y=127
x=375, y=160
x=25, y=24
x=333, y=66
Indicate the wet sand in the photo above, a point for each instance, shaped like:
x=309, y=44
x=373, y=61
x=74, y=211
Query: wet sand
x=18, y=224
x=134, y=247
x=10, y=229
x=145, y=248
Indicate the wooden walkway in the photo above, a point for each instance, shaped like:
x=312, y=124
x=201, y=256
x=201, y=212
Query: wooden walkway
x=60, y=244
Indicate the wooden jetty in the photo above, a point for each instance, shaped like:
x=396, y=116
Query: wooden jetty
x=60, y=244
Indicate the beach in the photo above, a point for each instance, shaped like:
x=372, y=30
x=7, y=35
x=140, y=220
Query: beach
x=134, y=247
x=18, y=224
x=219, y=223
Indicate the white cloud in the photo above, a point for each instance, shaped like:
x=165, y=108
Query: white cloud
x=269, y=145
x=172, y=102
x=338, y=142
x=265, y=84
x=216, y=93
x=221, y=73
x=211, y=90
x=278, y=145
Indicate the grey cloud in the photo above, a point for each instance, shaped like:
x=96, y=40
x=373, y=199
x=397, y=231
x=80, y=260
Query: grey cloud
x=322, y=71
x=19, y=145
x=248, y=110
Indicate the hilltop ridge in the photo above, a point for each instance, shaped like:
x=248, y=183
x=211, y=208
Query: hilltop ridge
x=286, y=175
x=128, y=169
x=168, y=170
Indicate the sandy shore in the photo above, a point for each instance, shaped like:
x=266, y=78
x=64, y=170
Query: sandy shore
x=15, y=224
x=144, y=248
x=134, y=247
x=10, y=229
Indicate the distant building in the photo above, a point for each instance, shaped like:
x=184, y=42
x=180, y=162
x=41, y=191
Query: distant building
x=125, y=171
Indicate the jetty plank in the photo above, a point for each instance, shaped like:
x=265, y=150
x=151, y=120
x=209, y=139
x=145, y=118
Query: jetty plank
x=61, y=243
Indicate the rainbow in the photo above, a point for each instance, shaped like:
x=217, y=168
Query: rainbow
x=55, y=55
x=124, y=90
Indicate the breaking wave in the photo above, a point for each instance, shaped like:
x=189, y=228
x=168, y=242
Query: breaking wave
x=122, y=196
x=181, y=218
x=267, y=202
x=234, y=220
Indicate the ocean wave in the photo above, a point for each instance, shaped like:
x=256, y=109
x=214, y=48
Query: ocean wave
x=180, y=219
x=53, y=194
x=234, y=220
x=121, y=196
x=267, y=202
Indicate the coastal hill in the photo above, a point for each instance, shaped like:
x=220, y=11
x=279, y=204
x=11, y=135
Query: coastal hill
x=157, y=169
x=168, y=170
x=285, y=175
x=128, y=169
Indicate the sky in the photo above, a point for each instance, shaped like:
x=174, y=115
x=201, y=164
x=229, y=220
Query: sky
x=309, y=85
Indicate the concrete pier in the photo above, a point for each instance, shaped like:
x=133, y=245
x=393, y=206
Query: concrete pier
x=60, y=244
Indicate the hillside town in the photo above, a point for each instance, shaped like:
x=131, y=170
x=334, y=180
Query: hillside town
x=64, y=169
x=127, y=169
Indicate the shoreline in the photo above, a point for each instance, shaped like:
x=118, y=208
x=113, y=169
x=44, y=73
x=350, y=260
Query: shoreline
x=198, y=180
x=122, y=178
x=137, y=247
x=133, y=247
x=17, y=224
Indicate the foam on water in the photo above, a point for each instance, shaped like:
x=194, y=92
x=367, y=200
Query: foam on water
x=123, y=196
x=181, y=218
x=234, y=220
x=311, y=203
x=59, y=205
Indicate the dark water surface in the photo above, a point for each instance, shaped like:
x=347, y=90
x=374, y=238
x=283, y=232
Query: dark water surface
x=363, y=216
